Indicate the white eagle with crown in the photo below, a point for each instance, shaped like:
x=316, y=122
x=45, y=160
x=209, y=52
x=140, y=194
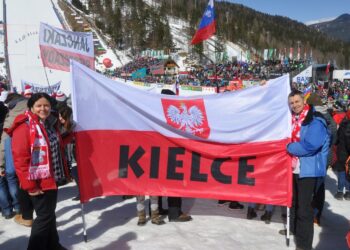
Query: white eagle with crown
x=189, y=120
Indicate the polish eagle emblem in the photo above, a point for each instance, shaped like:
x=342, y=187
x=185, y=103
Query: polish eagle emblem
x=189, y=119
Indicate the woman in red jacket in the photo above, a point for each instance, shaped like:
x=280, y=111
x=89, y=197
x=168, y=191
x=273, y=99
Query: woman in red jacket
x=38, y=156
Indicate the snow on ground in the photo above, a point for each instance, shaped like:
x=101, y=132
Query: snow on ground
x=111, y=224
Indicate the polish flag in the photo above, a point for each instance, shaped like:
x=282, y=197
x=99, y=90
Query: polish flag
x=228, y=146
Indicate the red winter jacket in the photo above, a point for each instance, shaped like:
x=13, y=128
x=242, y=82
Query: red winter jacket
x=22, y=156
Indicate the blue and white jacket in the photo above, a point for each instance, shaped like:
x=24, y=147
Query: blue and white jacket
x=313, y=147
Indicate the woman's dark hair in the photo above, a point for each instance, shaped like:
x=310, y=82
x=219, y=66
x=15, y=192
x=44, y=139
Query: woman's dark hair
x=66, y=113
x=35, y=97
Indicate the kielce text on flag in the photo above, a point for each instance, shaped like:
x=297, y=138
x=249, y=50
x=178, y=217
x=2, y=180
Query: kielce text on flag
x=229, y=146
x=207, y=25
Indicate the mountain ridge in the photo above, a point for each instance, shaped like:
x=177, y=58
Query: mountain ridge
x=338, y=28
x=140, y=24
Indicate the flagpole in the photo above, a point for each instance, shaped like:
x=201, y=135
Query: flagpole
x=47, y=79
x=84, y=224
x=288, y=223
x=216, y=77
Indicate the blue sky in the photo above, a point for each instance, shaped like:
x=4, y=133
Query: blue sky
x=300, y=10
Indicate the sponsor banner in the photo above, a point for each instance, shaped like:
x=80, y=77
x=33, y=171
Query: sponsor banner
x=144, y=84
x=304, y=76
x=36, y=88
x=140, y=73
x=235, y=85
x=157, y=69
x=192, y=88
x=58, y=46
x=232, y=145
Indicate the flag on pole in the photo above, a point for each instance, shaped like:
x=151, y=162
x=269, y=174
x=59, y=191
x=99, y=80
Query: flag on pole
x=58, y=46
x=133, y=142
x=307, y=92
x=328, y=67
x=206, y=28
x=291, y=53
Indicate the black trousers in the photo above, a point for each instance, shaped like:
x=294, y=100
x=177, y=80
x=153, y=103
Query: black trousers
x=301, y=213
x=44, y=234
x=174, y=207
x=26, y=204
x=319, y=197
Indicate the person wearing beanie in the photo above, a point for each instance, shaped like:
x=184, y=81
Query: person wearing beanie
x=314, y=99
x=28, y=91
x=60, y=96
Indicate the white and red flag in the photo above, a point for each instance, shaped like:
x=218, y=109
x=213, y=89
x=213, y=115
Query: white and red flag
x=228, y=146
x=58, y=46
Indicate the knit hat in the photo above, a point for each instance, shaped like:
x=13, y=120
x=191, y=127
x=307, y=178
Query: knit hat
x=314, y=99
x=60, y=96
x=27, y=91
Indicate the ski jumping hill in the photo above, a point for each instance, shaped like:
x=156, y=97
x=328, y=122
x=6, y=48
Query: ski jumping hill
x=23, y=22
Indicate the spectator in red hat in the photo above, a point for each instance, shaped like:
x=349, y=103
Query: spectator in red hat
x=60, y=96
x=28, y=91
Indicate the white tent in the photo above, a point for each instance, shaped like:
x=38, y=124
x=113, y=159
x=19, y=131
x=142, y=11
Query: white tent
x=341, y=75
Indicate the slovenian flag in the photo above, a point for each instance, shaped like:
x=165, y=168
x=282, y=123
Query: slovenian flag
x=207, y=26
x=229, y=146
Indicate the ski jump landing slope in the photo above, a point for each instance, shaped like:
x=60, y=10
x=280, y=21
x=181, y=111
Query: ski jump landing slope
x=23, y=23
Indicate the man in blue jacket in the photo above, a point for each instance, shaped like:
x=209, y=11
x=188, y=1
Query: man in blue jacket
x=309, y=148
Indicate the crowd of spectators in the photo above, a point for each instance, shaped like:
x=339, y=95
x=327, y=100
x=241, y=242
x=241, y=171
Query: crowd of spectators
x=211, y=74
x=336, y=94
